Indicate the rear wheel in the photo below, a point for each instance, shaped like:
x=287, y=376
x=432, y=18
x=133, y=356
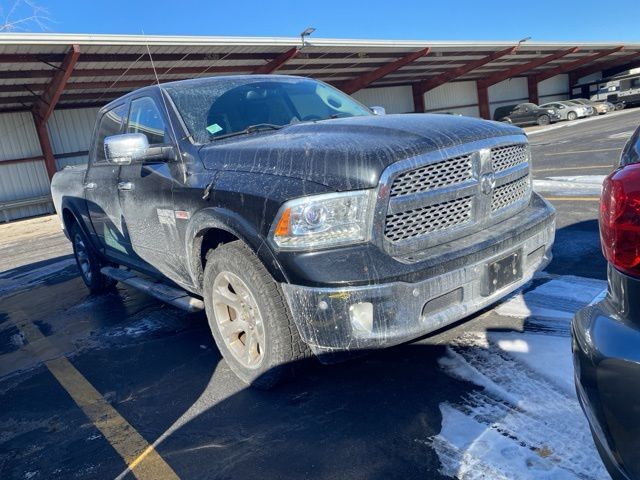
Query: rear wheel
x=249, y=318
x=572, y=116
x=544, y=120
x=88, y=261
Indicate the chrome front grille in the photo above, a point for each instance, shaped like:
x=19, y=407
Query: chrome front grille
x=440, y=174
x=433, y=218
x=503, y=158
x=510, y=193
x=432, y=201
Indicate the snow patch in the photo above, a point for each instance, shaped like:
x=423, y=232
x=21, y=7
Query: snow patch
x=524, y=422
x=572, y=185
x=138, y=328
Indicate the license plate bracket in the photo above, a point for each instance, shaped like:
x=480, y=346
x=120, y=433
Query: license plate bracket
x=501, y=273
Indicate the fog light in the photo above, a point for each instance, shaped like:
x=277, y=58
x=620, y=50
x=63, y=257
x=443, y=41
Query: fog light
x=362, y=317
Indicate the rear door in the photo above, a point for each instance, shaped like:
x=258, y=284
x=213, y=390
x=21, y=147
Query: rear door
x=145, y=192
x=100, y=186
x=518, y=115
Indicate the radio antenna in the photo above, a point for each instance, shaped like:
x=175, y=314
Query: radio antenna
x=166, y=108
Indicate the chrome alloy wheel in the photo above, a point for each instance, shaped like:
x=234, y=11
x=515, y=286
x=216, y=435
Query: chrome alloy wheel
x=238, y=318
x=82, y=257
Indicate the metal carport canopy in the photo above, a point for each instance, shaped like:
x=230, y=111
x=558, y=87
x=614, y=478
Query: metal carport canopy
x=109, y=65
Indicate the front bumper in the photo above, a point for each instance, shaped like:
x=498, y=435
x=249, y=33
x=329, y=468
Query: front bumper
x=606, y=355
x=384, y=314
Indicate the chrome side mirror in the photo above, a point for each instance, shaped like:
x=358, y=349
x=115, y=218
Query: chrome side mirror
x=126, y=148
x=378, y=110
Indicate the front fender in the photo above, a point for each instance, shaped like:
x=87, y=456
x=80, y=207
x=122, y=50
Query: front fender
x=231, y=222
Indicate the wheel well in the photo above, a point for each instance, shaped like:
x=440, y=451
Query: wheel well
x=209, y=240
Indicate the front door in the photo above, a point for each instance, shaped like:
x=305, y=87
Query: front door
x=100, y=187
x=146, y=196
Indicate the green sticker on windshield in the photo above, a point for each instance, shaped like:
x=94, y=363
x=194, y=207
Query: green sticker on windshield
x=213, y=129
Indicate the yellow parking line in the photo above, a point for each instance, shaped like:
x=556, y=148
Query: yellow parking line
x=582, y=151
x=579, y=199
x=140, y=457
x=590, y=167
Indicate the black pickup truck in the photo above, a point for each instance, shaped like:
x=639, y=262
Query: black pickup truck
x=299, y=220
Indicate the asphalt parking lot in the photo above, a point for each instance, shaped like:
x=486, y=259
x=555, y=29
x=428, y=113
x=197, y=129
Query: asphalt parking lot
x=121, y=385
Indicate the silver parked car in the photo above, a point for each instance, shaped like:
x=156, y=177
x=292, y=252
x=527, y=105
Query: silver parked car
x=567, y=110
x=598, y=107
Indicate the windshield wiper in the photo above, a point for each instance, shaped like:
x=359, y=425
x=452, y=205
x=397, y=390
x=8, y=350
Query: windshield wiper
x=250, y=129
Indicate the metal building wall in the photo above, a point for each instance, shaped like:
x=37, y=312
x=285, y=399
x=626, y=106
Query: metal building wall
x=70, y=131
x=554, y=89
x=24, y=180
x=508, y=92
x=393, y=99
x=455, y=97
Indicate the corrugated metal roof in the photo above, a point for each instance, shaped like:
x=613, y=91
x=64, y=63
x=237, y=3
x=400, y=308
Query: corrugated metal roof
x=110, y=65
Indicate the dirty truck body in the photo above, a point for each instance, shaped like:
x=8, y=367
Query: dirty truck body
x=368, y=230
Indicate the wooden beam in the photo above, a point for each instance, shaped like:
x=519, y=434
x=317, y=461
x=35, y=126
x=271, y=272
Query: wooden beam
x=452, y=74
x=116, y=72
x=368, y=78
x=45, y=146
x=33, y=99
x=567, y=67
x=532, y=87
x=600, y=66
x=483, y=101
x=523, y=68
x=47, y=101
x=418, y=98
x=277, y=62
x=174, y=57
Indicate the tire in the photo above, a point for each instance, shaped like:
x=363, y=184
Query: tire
x=88, y=262
x=572, y=116
x=544, y=120
x=619, y=106
x=249, y=318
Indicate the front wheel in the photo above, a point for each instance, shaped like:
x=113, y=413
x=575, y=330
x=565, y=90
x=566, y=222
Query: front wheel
x=572, y=116
x=249, y=318
x=544, y=120
x=619, y=106
x=88, y=261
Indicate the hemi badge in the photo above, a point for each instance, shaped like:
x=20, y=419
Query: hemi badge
x=182, y=215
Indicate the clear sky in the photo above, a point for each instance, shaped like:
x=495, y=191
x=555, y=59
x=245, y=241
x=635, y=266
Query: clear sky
x=582, y=20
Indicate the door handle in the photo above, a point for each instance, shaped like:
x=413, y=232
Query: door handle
x=89, y=186
x=125, y=186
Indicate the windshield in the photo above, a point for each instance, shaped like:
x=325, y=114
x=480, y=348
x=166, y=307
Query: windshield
x=216, y=107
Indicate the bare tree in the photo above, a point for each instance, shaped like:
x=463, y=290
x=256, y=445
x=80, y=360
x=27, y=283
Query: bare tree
x=23, y=16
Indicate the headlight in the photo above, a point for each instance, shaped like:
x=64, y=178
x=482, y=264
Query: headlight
x=552, y=112
x=324, y=220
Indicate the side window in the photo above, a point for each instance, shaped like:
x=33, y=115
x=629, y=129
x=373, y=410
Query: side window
x=145, y=117
x=110, y=124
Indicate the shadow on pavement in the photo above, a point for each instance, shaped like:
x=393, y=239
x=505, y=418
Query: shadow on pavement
x=577, y=251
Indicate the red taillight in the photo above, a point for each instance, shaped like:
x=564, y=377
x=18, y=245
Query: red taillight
x=620, y=219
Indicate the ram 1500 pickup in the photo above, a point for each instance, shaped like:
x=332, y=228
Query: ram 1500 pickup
x=300, y=220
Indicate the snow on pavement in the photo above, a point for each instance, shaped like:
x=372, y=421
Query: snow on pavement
x=571, y=185
x=524, y=422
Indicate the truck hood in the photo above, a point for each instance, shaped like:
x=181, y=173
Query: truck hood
x=346, y=153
